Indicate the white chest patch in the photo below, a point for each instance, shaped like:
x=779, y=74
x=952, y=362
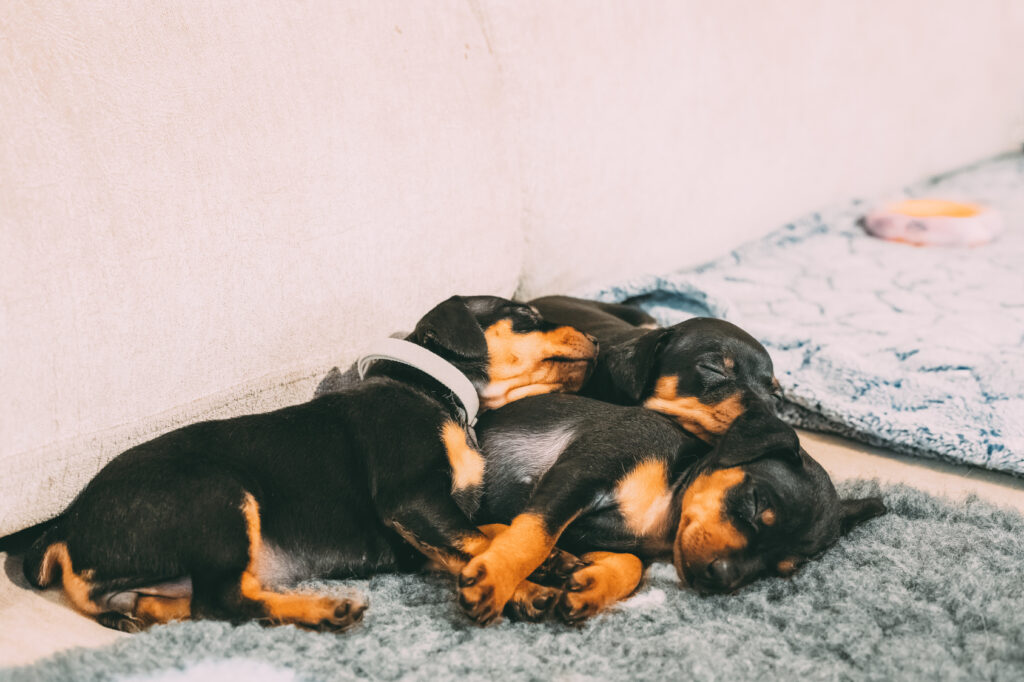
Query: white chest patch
x=525, y=457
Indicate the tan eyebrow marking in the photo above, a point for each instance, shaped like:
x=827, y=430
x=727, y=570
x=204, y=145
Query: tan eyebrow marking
x=704, y=420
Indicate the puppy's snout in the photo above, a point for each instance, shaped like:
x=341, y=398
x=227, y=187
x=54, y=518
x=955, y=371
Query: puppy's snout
x=582, y=343
x=589, y=342
x=721, y=576
x=587, y=345
x=721, y=573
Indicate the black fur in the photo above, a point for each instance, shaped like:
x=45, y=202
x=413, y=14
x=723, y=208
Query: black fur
x=710, y=359
x=608, y=442
x=342, y=484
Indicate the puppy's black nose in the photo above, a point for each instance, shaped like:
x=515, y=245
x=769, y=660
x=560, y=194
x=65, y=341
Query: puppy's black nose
x=722, y=572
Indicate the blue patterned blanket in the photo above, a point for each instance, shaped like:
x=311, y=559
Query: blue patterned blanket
x=919, y=349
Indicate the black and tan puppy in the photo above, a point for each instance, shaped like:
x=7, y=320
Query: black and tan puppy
x=213, y=519
x=702, y=372
x=623, y=486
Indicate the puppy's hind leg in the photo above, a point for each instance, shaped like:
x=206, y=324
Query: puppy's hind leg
x=230, y=588
x=141, y=607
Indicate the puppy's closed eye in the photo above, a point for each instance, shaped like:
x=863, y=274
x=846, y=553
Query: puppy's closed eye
x=711, y=372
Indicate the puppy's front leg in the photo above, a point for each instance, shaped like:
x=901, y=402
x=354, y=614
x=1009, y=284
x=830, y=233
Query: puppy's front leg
x=490, y=580
x=436, y=527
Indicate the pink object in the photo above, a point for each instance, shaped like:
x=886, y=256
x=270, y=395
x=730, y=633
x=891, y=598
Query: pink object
x=935, y=222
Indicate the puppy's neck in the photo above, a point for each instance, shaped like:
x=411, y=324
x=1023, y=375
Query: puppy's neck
x=420, y=381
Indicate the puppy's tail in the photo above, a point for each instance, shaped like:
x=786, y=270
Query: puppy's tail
x=42, y=559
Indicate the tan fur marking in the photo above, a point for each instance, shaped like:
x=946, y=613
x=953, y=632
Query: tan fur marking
x=76, y=586
x=512, y=556
x=521, y=548
x=644, y=498
x=704, y=533
x=476, y=545
x=153, y=610
x=281, y=607
x=473, y=546
x=492, y=530
x=787, y=567
x=48, y=566
x=609, y=577
x=768, y=517
x=729, y=362
x=519, y=364
x=467, y=463
x=706, y=421
x=284, y=607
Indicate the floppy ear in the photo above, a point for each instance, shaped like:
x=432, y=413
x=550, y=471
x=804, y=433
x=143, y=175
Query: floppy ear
x=759, y=436
x=451, y=327
x=855, y=512
x=631, y=363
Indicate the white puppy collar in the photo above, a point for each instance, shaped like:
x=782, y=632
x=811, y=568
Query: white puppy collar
x=408, y=353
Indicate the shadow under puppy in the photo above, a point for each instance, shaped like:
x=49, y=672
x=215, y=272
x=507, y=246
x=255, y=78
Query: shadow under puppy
x=212, y=519
x=623, y=486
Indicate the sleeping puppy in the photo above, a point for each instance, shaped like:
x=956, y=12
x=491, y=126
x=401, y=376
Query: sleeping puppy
x=215, y=519
x=703, y=372
x=622, y=486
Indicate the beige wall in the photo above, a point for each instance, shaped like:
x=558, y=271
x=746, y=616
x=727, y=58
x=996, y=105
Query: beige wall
x=202, y=203
x=660, y=134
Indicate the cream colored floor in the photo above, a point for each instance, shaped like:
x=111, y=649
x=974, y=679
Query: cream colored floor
x=34, y=624
x=845, y=459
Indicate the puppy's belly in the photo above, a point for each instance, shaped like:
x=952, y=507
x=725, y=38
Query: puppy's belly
x=124, y=601
x=279, y=567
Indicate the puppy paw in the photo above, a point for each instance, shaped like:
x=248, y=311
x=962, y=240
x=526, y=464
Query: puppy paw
x=345, y=614
x=121, y=621
x=557, y=568
x=531, y=602
x=584, y=596
x=483, y=591
x=314, y=612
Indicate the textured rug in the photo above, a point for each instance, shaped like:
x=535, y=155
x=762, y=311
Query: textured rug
x=933, y=590
x=917, y=349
